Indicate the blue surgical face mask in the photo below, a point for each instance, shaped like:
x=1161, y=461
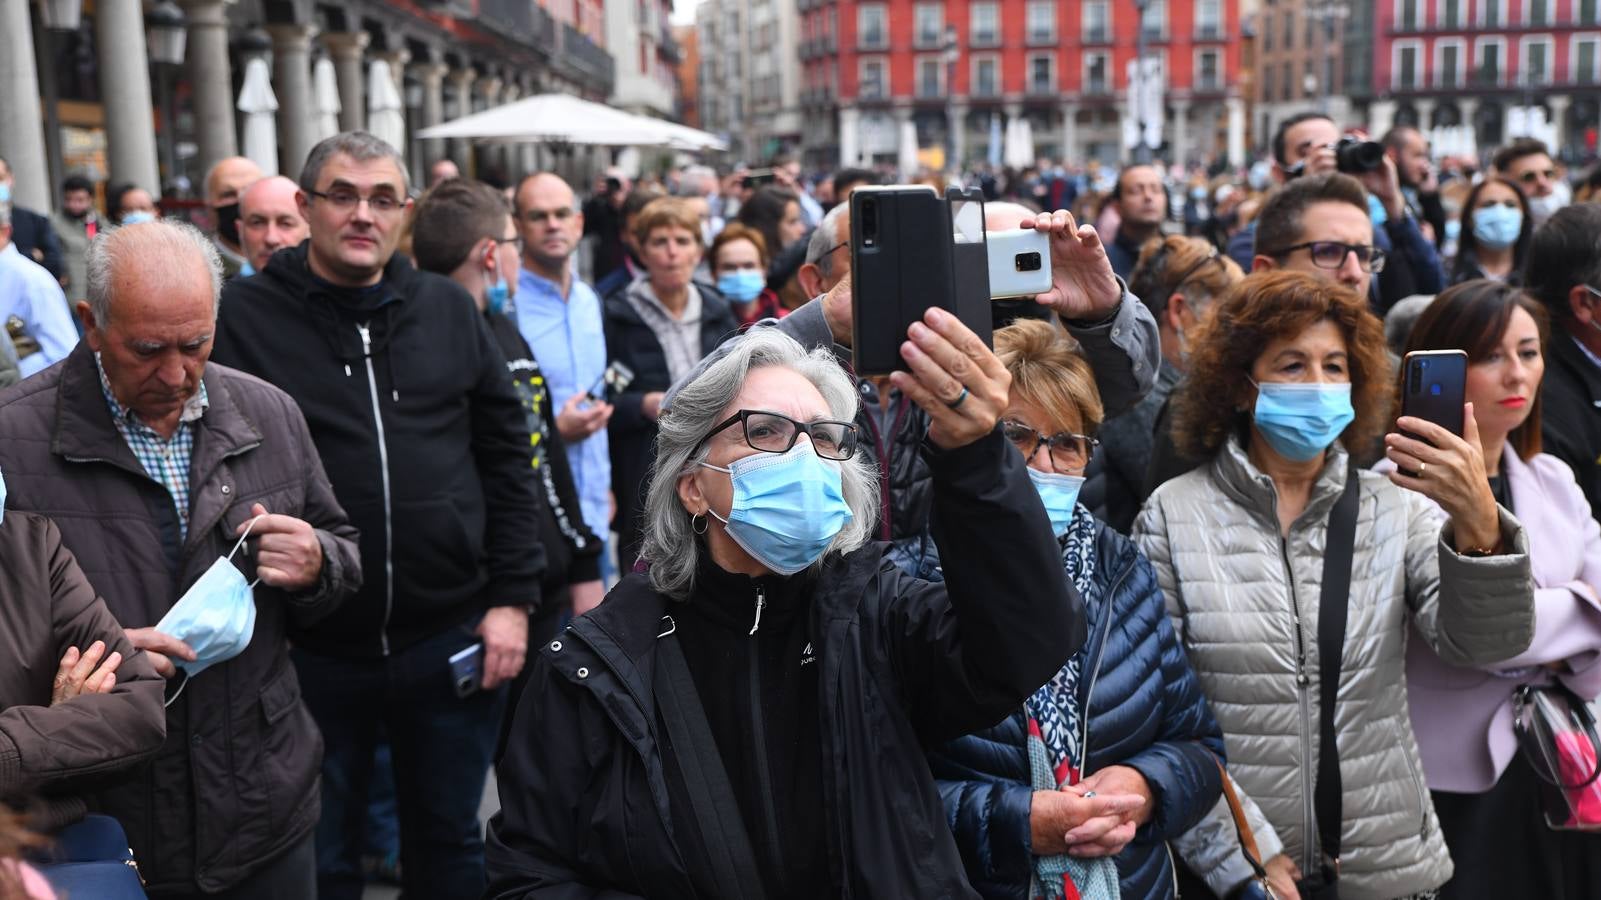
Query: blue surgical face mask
x=742, y=285
x=216, y=617
x=1059, y=493
x=498, y=296
x=5, y=192
x=1498, y=226
x=1300, y=421
x=787, y=507
x=138, y=216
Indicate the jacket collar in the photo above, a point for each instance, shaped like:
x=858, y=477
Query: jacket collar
x=84, y=431
x=1253, y=489
x=1569, y=355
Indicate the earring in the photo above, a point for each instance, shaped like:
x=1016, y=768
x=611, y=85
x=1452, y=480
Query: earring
x=698, y=524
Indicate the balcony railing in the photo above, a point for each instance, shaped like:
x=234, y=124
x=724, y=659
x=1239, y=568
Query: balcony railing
x=1097, y=34
x=927, y=39
x=1042, y=88
x=1211, y=31
x=988, y=37
x=875, y=39
x=519, y=21
x=585, y=62
x=1041, y=37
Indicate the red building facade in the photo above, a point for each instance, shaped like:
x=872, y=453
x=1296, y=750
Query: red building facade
x=1455, y=62
x=868, y=66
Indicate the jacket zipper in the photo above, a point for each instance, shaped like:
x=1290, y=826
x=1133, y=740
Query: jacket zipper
x=383, y=461
x=764, y=774
x=1303, y=691
x=1095, y=671
x=1417, y=783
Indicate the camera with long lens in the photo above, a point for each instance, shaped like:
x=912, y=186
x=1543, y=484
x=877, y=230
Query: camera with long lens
x=1356, y=157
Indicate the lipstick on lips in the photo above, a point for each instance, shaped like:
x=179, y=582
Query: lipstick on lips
x=1515, y=402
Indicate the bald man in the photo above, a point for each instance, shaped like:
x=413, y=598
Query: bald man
x=269, y=220
x=152, y=462
x=225, y=181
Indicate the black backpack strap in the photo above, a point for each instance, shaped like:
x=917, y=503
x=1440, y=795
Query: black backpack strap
x=1333, y=605
x=711, y=794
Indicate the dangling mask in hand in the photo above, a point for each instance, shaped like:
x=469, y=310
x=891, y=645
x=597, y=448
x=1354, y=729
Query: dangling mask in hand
x=216, y=617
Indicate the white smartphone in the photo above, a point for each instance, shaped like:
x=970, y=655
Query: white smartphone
x=1020, y=263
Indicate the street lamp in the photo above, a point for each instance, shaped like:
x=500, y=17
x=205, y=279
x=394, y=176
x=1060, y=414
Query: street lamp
x=166, y=34
x=952, y=54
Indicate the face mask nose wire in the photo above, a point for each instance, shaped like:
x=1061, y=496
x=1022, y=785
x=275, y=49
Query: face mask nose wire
x=248, y=526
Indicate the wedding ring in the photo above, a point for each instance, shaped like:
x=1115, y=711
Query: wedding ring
x=1421, y=467
x=960, y=398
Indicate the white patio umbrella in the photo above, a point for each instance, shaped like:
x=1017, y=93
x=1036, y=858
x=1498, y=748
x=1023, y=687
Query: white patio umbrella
x=996, y=155
x=565, y=119
x=907, y=149
x=259, y=105
x=1020, y=149
x=386, y=117
x=325, y=99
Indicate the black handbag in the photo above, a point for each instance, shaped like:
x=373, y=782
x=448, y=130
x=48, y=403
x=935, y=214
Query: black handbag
x=1333, y=607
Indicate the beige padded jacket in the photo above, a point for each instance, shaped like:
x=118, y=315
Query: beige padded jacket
x=1244, y=601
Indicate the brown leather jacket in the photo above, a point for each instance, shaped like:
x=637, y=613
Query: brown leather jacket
x=236, y=783
x=51, y=754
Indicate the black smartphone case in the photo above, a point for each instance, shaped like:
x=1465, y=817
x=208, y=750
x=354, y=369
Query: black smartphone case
x=912, y=265
x=1435, y=391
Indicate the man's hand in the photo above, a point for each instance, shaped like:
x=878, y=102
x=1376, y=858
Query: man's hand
x=1120, y=780
x=1282, y=874
x=576, y=422
x=1082, y=283
x=160, y=648
x=505, y=633
x=1384, y=183
x=288, y=554
x=1053, y=814
x=586, y=596
x=78, y=674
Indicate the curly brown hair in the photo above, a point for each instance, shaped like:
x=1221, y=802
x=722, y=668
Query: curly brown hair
x=1216, y=398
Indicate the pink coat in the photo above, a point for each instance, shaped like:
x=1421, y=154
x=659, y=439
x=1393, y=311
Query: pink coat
x=1463, y=716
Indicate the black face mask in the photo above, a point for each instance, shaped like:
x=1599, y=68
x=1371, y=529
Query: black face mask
x=228, y=222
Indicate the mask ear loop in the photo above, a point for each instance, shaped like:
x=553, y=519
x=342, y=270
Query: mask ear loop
x=174, y=698
x=248, y=526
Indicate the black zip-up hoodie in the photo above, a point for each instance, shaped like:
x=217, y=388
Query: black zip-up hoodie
x=422, y=435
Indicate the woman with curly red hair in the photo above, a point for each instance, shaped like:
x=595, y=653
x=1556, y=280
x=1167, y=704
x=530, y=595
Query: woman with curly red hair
x=1288, y=377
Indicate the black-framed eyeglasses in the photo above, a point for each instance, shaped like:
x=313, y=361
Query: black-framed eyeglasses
x=515, y=240
x=347, y=201
x=830, y=250
x=771, y=432
x=1068, y=451
x=1331, y=254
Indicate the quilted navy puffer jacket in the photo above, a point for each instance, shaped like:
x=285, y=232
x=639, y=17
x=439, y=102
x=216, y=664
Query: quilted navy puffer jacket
x=1146, y=711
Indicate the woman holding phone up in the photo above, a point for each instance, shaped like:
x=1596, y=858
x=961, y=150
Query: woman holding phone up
x=1486, y=792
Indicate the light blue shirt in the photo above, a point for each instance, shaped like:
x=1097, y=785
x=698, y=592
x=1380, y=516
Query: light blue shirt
x=30, y=293
x=569, y=340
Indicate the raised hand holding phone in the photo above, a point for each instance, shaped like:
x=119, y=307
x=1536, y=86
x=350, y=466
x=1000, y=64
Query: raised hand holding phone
x=1083, y=286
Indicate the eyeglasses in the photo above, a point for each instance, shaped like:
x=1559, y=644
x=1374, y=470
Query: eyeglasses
x=831, y=250
x=347, y=201
x=535, y=216
x=1331, y=254
x=515, y=240
x=1210, y=257
x=772, y=433
x=1069, y=452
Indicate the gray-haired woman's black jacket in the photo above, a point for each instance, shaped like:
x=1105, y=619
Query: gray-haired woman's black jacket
x=588, y=792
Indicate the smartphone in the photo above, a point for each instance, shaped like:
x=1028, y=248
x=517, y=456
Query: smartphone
x=756, y=178
x=616, y=379
x=905, y=244
x=467, y=670
x=1434, y=387
x=1019, y=263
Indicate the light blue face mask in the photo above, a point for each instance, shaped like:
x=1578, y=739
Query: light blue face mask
x=1300, y=421
x=1498, y=226
x=137, y=217
x=742, y=286
x=498, y=296
x=5, y=193
x=216, y=617
x=787, y=507
x=1059, y=493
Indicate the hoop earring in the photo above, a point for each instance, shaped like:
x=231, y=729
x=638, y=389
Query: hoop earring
x=700, y=521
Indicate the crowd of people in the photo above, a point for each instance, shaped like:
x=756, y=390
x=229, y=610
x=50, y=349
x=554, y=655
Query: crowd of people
x=1156, y=593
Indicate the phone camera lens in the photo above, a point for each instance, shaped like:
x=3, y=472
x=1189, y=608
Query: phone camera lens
x=1028, y=262
x=869, y=222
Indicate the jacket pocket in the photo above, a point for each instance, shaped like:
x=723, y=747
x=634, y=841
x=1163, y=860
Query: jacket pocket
x=1408, y=751
x=291, y=750
x=434, y=552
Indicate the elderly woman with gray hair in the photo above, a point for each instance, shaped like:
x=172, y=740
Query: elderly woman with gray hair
x=747, y=718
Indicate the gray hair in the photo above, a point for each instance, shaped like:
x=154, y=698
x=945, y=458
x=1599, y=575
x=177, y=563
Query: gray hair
x=155, y=248
x=826, y=237
x=359, y=146
x=670, y=546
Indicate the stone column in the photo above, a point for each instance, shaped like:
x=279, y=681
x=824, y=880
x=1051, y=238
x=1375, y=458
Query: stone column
x=850, y=137
x=1425, y=108
x=510, y=155
x=432, y=76
x=488, y=90
x=1559, y=104
x=1070, y=151
x=210, y=80
x=1469, y=108
x=1236, y=127
x=125, y=91
x=903, y=115
x=461, y=81
x=1181, y=132
x=291, y=82
x=397, y=60
x=347, y=49
x=21, y=118
x=1381, y=116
